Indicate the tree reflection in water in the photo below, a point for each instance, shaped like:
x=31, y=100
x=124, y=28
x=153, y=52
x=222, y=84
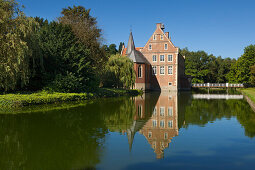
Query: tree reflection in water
x=74, y=138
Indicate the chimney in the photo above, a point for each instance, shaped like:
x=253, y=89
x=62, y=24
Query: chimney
x=167, y=34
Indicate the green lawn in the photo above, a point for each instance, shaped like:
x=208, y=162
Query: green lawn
x=250, y=92
x=19, y=100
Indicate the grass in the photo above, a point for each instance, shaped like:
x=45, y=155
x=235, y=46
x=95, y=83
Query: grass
x=43, y=97
x=250, y=92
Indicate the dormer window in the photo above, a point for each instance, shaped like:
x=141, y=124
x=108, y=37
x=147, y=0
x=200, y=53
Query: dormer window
x=150, y=47
x=154, y=37
x=165, y=46
x=161, y=37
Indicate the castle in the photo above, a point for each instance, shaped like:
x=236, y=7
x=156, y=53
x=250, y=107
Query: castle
x=158, y=65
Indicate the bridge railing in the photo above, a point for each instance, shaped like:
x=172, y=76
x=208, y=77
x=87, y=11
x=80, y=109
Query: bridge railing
x=217, y=85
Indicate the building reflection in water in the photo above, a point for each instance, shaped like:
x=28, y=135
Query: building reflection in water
x=156, y=119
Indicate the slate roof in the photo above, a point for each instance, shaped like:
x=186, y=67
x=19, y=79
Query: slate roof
x=132, y=53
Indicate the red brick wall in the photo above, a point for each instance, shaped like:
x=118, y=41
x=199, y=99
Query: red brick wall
x=158, y=48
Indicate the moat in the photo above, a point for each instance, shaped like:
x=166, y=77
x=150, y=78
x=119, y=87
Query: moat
x=152, y=131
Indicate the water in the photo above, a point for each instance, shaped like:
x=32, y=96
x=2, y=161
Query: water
x=153, y=131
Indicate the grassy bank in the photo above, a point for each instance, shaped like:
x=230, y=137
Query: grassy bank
x=38, y=98
x=250, y=92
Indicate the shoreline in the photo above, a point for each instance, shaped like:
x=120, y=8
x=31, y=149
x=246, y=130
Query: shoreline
x=11, y=101
x=249, y=96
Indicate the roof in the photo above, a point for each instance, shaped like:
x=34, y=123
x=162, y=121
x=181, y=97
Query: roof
x=125, y=50
x=131, y=52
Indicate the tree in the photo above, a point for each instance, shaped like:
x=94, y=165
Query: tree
x=15, y=32
x=206, y=68
x=119, y=72
x=85, y=28
x=66, y=58
x=120, y=47
x=240, y=71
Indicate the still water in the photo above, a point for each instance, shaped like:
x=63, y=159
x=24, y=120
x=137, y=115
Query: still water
x=153, y=131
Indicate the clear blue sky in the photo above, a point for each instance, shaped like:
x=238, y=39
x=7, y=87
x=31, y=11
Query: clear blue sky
x=220, y=27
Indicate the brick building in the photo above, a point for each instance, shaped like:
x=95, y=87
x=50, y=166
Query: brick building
x=158, y=65
x=156, y=118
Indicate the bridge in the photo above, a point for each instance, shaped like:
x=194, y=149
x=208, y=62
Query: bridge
x=216, y=96
x=217, y=85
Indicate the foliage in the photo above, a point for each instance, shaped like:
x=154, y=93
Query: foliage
x=119, y=72
x=63, y=55
x=44, y=97
x=16, y=32
x=241, y=70
x=65, y=84
x=206, y=68
x=85, y=28
x=120, y=47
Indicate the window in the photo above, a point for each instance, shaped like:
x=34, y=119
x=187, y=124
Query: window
x=170, y=69
x=162, y=58
x=170, y=84
x=150, y=134
x=162, y=69
x=170, y=124
x=162, y=123
x=154, y=58
x=170, y=57
x=165, y=46
x=161, y=37
x=154, y=70
x=154, y=37
x=170, y=111
x=139, y=111
x=162, y=111
x=150, y=47
x=154, y=123
x=139, y=71
x=165, y=135
x=154, y=111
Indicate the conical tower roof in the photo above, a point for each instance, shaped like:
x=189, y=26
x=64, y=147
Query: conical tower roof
x=132, y=53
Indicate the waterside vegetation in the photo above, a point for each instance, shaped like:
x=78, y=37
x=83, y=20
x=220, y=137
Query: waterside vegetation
x=44, y=97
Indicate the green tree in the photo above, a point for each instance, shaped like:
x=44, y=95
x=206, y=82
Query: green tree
x=119, y=72
x=85, y=28
x=16, y=31
x=65, y=59
x=241, y=69
x=120, y=47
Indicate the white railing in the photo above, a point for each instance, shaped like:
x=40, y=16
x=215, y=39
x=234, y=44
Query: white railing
x=216, y=96
x=218, y=85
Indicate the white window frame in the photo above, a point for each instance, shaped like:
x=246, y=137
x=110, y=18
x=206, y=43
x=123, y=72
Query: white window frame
x=163, y=58
x=166, y=46
x=168, y=111
x=170, y=83
x=154, y=58
x=149, y=134
x=154, y=123
x=154, y=72
x=154, y=37
x=168, y=57
x=170, y=124
x=140, y=66
x=161, y=36
x=150, y=46
x=162, y=111
x=162, y=123
x=169, y=69
x=161, y=70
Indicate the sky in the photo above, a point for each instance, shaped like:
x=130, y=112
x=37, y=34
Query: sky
x=219, y=27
